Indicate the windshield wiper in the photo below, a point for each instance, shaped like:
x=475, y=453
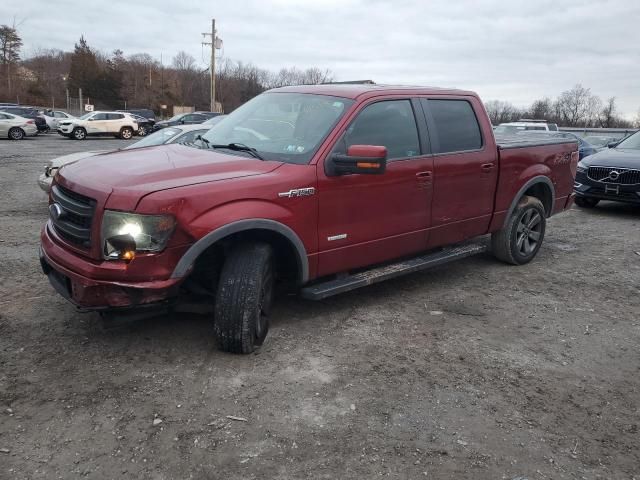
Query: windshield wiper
x=238, y=147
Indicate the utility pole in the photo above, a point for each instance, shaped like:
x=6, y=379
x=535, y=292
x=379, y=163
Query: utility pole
x=216, y=44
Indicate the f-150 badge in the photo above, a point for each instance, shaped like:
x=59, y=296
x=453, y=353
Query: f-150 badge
x=298, y=192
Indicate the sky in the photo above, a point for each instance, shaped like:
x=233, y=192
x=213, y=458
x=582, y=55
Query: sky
x=514, y=50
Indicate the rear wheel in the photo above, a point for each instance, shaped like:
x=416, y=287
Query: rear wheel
x=16, y=133
x=142, y=131
x=79, y=133
x=520, y=239
x=244, y=297
x=586, y=202
x=126, y=133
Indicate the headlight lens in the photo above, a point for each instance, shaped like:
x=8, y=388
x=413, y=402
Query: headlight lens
x=124, y=233
x=581, y=167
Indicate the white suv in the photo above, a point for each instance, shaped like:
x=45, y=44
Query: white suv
x=117, y=124
x=525, y=125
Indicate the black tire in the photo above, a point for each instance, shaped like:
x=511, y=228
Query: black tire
x=16, y=133
x=79, y=133
x=586, y=202
x=244, y=298
x=520, y=239
x=126, y=133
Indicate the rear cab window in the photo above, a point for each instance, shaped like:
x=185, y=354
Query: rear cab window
x=453, y=125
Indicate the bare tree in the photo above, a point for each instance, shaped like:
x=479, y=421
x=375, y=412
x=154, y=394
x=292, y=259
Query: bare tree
x=501, y=112
x=578, y=106
x=10, y=44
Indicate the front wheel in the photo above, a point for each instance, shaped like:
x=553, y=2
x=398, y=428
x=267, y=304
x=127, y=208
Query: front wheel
x=79, y=133
x=586, y=202
x=520, y=239
x=126, y=133
x=244, y=298
x=142, y=131
x=16, y=133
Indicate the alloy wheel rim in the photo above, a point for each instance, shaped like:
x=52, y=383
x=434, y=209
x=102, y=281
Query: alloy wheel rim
x=528, y=232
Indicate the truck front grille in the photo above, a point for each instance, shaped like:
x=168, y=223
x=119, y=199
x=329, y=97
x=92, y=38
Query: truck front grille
x=72, y=216
x=621, y=176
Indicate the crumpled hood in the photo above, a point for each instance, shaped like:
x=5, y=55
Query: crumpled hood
x=138, y=172
x=614, y=157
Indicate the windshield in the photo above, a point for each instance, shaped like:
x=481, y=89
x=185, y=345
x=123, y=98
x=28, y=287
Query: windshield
x=288, y=127
x=85, y=116
x=214, y=120
x=632, y=142
x=176, y=117
x=158, y=138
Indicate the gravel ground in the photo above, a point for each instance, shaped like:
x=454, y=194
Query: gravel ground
x=473, y=370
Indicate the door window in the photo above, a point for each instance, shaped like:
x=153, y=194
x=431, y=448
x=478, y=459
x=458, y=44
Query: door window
x=99, y=116
x=389, y=123
x=456, y=127
x=114, y=116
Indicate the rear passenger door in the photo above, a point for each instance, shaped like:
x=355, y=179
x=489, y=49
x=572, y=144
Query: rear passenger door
x=465, y=170
x=366, y=219
x=114, y=122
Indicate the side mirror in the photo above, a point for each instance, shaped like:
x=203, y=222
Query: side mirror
x=612, y=144
x=362, y=159
x=90, y=119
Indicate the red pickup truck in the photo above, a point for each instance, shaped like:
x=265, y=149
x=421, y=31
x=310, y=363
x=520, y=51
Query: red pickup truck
x=328, y=188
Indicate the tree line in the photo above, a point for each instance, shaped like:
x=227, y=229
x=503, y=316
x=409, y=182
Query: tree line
x=576, y=107
x=115, y=80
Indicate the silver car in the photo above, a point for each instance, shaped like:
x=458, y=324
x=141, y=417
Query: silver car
x=54, y=117
x=184, y=134
x=15, y=127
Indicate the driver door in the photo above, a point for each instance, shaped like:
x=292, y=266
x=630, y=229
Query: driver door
x=97, y=123
x=364, y=218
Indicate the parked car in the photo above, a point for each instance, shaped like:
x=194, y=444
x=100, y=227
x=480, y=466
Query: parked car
x=185, y=119
x=115, y=124
x=28, y=112
x=53, y=118
x=15, y=127
x=142, y=112
x=525, y=125
x=311, y=186
x=610, y=174
x=601, y=142
x=184, y=134
x=584, y=148
x=145, y=126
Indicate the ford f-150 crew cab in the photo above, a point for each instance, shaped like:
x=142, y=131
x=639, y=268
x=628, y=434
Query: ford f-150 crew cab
x=327, y=188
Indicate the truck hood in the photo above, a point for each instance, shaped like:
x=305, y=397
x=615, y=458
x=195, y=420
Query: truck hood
x=614, y=157
x=135, y=173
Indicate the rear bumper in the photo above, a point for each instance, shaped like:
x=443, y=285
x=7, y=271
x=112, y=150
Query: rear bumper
x=91, y=294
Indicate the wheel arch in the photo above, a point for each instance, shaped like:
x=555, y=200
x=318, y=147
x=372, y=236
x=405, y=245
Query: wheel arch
x=281, y=236
x=539, y=187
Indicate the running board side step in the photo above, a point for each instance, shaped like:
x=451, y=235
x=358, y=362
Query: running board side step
x=378, y=274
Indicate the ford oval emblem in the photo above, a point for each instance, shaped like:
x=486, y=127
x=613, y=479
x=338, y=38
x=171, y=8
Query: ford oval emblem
x=56, y=211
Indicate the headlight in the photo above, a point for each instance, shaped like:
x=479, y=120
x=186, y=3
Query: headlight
x=124, y=234
x=581, y=167
x=51, y=171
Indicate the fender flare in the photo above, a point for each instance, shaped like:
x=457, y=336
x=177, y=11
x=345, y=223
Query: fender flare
x=530, y=183
x=190, y=256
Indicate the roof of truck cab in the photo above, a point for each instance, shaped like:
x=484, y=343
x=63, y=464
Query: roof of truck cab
x=354, y=91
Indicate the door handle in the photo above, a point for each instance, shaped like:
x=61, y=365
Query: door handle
x=487, y=167
x=423, y=175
